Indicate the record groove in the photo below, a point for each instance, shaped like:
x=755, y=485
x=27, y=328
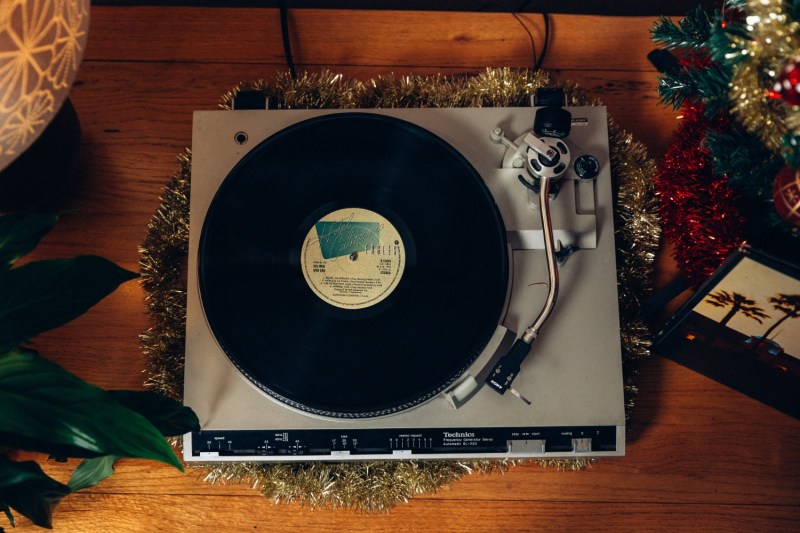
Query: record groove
x=399, y=344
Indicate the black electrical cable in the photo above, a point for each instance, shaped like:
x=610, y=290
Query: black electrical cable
x=530, y=36
x=546, y=18
x=287, y=45
x=537, y=61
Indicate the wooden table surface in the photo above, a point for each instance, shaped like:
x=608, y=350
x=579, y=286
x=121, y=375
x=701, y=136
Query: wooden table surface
x=700, y=456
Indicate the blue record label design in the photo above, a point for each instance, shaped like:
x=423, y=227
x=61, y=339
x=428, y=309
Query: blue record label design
x=353, y=258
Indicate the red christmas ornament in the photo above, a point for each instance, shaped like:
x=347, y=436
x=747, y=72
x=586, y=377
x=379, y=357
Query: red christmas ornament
x=786, y=195
x=787, y=86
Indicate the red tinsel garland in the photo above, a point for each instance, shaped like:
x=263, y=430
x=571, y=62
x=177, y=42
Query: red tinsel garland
x=698, y=209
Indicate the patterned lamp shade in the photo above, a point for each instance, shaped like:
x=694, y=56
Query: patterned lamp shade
x=41, y=46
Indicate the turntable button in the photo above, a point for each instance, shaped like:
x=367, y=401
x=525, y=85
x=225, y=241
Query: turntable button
x=526, y=446
x=582, y=445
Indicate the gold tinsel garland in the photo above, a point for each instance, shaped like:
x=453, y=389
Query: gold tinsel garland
x=374, y=486
x=774, y=39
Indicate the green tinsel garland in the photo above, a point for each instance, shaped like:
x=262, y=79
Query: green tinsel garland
x=374, y=486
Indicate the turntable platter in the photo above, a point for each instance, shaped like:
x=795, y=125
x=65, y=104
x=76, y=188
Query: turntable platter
x=353, y=265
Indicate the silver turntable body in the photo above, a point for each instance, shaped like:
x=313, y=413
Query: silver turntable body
x=572, y=376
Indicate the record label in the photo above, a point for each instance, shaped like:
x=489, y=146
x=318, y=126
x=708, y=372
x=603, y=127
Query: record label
x=353, y=258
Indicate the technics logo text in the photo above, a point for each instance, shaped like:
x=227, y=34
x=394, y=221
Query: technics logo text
x=458, y=435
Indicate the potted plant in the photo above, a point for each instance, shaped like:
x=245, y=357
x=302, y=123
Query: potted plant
x=44, y=408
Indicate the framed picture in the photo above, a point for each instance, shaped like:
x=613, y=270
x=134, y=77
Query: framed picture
x=742, y=328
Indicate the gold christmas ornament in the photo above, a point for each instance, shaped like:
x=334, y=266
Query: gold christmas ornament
x=774, y=39
x=376, y=486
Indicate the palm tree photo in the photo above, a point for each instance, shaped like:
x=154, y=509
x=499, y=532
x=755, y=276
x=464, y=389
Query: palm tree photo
x=788, y=304
x=738, y=303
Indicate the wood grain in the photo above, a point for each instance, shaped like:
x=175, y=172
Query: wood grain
x=700, y=456
x=136, y=514
x=387, y=39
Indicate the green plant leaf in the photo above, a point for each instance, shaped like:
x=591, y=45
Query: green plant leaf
x=42, y=295
x=54, y=409
x=24, y=487
x=91, y=472
x=59, y=452
x=7, y=510
x=20, y=233
x=168, y=416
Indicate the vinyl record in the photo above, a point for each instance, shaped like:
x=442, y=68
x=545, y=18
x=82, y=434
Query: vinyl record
x=353, y=265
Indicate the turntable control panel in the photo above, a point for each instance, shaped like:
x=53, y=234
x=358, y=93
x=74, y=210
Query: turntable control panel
x=387, y=443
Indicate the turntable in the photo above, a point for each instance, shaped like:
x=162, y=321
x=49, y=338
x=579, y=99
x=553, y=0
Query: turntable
x=367, y=285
